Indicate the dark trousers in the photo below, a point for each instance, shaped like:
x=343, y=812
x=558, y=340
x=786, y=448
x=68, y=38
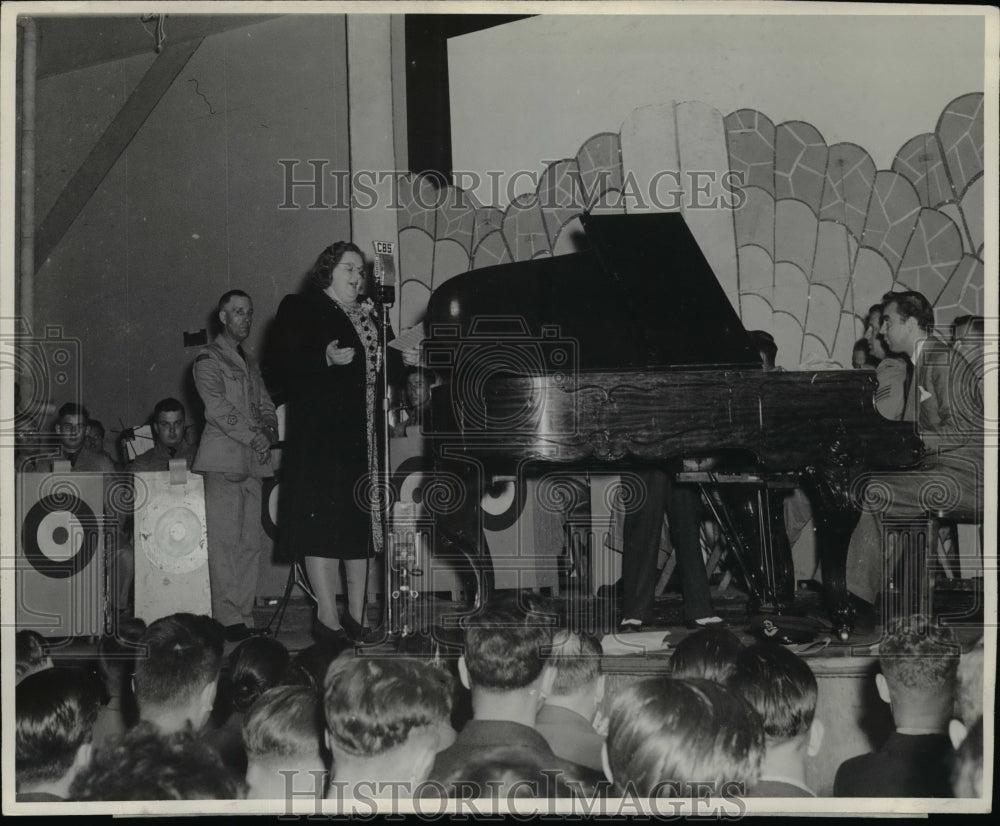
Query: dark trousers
x=641, y=546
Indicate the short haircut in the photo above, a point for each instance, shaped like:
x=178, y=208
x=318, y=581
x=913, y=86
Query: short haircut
x=31, y=652
x=911, y=304
x=117, y=654
x=55, y=712
x=917, y=656
x=765, y=343
x=286, y=721
x=144, y=764
x=507, y=641
x=781, y=688
x=967, y=769
x=226, y=297
x=666, y=735
x=709, y=653
x=969, y=702
x=875, y=308
x=371, y=705
x=73, y=409
x=167, y=405
x=576, y=658
x=184, y=654
x=256, y=665
x=321, y=273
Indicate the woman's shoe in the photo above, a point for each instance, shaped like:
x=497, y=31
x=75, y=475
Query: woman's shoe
x=354, y=629
x=706, y=622
x=325, y=634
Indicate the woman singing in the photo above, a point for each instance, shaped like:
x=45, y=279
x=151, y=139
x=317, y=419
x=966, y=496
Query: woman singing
x=327, y=361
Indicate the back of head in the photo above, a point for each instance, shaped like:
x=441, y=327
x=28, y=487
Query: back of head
x=506, y=773
x=781, y=688
x=55, y=710
x=576, y=658
x=919, y=659
x=709, y=654
x=284, y=723
x=144, y=764
x=506, y=643
x=31, y=653
x=183, y=654
x=309, y=666
x=256, y=665
x=668, y=736
x=372, y=705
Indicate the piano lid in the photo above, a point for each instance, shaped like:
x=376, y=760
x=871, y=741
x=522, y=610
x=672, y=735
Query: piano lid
x=639, y=294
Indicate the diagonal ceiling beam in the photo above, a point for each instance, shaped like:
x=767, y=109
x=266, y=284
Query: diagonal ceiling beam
x=110, y=145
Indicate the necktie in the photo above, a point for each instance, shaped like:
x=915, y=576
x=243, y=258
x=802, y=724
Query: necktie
x=239, y=349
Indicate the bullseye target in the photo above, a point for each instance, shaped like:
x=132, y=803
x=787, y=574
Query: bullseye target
x=173, y=536
x=59, y=536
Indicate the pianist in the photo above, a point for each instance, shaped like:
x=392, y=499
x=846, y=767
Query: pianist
x=945, y=404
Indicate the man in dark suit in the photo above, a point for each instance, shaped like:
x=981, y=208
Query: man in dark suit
x=944, y=400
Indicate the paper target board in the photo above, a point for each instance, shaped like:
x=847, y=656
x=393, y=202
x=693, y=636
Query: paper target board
x=171, y=545
x=59, y=569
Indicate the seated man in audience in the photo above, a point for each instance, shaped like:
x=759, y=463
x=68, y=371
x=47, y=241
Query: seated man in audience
x=382, y=723
x=95, y=439
x=670, y=738
x=918, y=663
x=148, y=764
x=861, y=356
x=949, y=419
x=281, y=733
x=565, y=720
x=32, y=653
x=782, y=690
x=55, y=711
x=416, y=402
x=169, y=430
x=708, y=654
x=177, y=678
x=504, y=774
x=116, y=656
x=71, y=429
x=504, y=666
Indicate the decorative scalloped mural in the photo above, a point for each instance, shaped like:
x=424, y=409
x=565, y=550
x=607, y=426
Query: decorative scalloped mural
x=819, y=237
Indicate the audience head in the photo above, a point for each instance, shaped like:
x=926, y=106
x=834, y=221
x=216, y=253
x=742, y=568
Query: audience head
x=168, y=422
x=32, y=653
x=71, y=426
x=967, y=771
x=309, y=666
x=861, y=357
x=419, y=381
x=873, y=336
x=506, y=645
x=709, y=653
x=666, y=736
x=95, y=436
x=907, y=317
x=919, y=662
x=281, y=732
x=576, y=660
x=506, y=773
x=146, y=764
x=969, y=693
x=766, y=346
x=384, y=714
x=55, y=711
x=256, y=665
x=177, y=676
x=321, y=274
x=782, y=689
x=236, y=315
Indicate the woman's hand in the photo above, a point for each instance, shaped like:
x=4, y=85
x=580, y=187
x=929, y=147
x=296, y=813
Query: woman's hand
x=338, y=355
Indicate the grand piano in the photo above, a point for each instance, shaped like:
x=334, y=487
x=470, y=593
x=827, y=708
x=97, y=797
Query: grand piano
x=629, y=353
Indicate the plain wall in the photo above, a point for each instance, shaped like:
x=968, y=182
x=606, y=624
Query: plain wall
x=191, y=208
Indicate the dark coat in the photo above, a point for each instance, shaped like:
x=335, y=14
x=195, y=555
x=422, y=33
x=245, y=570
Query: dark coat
x=325, y=456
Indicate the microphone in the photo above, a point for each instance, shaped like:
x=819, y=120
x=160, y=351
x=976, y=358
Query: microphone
x=385, y=272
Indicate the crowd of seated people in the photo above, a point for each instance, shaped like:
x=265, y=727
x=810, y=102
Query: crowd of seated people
x=324, y=723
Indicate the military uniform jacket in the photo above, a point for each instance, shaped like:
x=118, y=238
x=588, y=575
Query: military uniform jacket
x=237, y=407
